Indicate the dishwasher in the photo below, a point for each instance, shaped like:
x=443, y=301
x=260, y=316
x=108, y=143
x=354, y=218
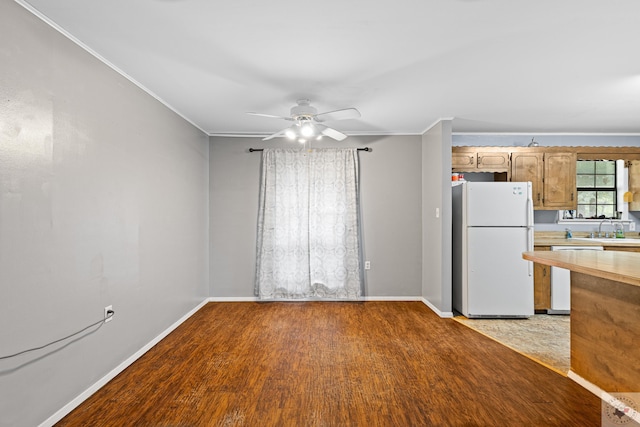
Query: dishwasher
x=561, y=282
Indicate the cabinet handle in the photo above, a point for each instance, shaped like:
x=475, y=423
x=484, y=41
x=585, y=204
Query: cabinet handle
x=538, y=196
x=544, y=272
x=479, y=159
x=572, y=196
x=470, y=160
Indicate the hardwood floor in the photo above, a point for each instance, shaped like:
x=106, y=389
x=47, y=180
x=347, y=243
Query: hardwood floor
x=333, y=364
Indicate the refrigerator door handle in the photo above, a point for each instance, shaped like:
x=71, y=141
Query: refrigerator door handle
x=529, y=207
x=529, y=228
x=529, y=248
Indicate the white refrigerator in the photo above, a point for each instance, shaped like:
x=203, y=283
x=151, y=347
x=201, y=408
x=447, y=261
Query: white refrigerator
x=492, y=226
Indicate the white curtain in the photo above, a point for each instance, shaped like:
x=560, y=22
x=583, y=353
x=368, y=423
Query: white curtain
x=308, y=243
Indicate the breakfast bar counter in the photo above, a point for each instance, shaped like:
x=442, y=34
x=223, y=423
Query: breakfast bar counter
x=605, y=315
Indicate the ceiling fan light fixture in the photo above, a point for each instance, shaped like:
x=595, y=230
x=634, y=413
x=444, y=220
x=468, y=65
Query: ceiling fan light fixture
x=307, y=130
x=290, y=133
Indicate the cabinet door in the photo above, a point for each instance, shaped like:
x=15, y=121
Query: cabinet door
x=541, y=287
x=463, y=161
x=634, y=184
x=541, y=284
x=491, y=161
x=528, y=167
x=559, y=187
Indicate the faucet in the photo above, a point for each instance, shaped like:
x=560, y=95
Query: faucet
x=600, y=226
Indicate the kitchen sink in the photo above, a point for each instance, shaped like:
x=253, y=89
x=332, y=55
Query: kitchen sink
x=608, y=240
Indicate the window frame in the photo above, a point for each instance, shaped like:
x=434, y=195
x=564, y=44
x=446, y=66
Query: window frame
x=613, y=189
x=624, y=217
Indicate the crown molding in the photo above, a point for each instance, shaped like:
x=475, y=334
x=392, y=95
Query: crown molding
x=100, y=58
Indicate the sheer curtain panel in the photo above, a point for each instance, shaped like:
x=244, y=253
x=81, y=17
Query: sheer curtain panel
x=308, y=243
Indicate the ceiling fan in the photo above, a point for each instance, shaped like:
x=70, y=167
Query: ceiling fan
x=308, y=124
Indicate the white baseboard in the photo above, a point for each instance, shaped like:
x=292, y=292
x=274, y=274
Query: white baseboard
x=233, y=299
x=62, y=412
x=404, y=298
x=586, y=384
x=256, y=299
x=443, y=314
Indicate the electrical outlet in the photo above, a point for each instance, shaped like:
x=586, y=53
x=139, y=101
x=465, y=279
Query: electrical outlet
x=367, y=265
x=632, y=226
x=108, y=313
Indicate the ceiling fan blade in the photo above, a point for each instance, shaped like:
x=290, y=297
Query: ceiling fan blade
x=331, y=133
x=344, y=114
x=270, y=116
x=275, y=135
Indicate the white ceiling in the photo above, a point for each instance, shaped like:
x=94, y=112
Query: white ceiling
x=544, y=66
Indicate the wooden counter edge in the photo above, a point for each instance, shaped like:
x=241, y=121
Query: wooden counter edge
x=629, y=274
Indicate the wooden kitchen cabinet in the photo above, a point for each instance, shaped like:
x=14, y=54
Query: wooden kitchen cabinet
x=541, y=285
x=552, y=176
x=529, y=167
x=488, y=161
x=622, y=248
x=463, y=160
x=634, y=184
x=479, y=159
x=559, y=181
x=551, y=170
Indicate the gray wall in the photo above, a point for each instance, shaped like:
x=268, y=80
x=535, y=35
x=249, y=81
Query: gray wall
x=390, y=198
x=436, y=229
x=103, y=200
x=547, y=220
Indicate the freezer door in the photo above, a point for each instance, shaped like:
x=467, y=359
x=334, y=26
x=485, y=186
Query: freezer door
x=499, y=282
x=499, y=204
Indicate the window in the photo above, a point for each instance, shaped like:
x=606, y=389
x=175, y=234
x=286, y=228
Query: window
x=596, y=182
x=308, y=239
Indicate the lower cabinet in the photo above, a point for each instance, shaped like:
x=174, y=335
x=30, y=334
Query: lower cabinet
x=622, y=248
x=541, y=284
x=541, y=287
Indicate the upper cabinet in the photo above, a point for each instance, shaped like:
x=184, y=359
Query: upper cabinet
x=479, y=159
x=497, y=161
x=463, y=160
x=634, y=184
x=529, y=167
x=552, y=176
x=551, y=170
x=559, y=181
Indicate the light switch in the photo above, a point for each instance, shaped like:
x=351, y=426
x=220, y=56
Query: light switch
x=437, y=212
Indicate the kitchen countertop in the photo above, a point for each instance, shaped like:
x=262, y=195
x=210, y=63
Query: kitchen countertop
x=585, y=242
x=612, y=265
x=556, y=238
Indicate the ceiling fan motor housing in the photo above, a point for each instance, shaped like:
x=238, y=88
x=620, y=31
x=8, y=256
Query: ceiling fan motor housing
x=303, y=110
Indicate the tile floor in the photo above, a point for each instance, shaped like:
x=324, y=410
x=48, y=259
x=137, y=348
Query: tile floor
x=543, y=338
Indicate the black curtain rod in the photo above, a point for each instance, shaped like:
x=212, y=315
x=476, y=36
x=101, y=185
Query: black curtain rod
x=251, y=150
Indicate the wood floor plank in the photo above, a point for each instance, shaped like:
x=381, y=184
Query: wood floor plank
x=333, y=364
